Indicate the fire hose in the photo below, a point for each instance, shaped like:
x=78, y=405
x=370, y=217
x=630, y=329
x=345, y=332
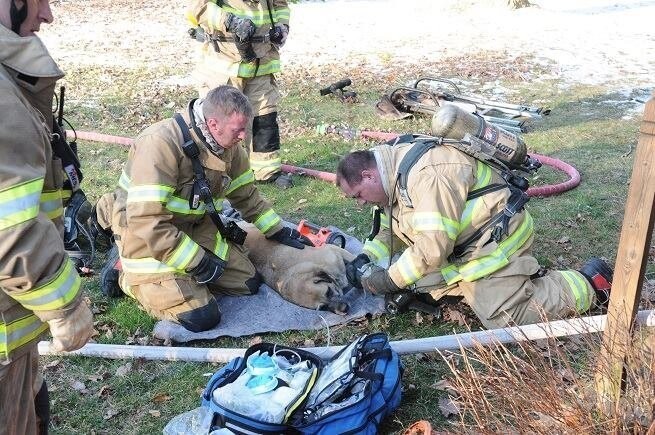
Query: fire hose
x=330, y=177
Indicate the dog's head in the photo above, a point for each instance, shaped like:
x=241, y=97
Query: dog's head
x=319, y=285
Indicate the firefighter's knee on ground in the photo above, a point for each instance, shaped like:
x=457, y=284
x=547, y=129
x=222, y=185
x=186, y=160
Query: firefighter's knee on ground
x=201, y=318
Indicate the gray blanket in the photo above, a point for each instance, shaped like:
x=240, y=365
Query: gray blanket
x=268, y=312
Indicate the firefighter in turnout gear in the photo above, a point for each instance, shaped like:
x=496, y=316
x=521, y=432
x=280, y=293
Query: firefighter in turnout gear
x=240, y=42
x=175, y=250
x=39, y=287
x=444, y=245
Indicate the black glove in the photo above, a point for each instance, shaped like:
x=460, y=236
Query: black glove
x=291, y=237
x=379, y=282
x=278, y=34
x=353, y=272
x=210, y=269
x=243, y=29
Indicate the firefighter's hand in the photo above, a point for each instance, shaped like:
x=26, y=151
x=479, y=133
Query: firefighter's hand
x=354, y=270
x=278, y=34
x=379, y=282
x=243, y=28
x=290, y=237
x=210, y=269
x=72, y=331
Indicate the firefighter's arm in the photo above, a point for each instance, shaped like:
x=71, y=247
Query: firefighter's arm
x=154, y=173
x=281, y=12
x=438, y=195
x=245, y=197
x=34, y=269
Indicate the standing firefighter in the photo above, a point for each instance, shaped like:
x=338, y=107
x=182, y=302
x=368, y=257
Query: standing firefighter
x=39, y=285
x=175, y=249
x=240, y=47
x=439, y=224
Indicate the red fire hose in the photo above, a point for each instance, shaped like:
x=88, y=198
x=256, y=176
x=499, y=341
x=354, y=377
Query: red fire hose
x=547, y=190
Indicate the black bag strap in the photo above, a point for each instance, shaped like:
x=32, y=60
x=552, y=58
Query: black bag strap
x=190, y=148
x=69, y=161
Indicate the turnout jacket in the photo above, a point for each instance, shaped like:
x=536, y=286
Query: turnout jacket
x=220, y=55
x=160, y=227
x=38, y=282
x=440, y=217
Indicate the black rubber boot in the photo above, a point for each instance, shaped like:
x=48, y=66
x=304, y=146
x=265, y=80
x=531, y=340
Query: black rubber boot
x=110, y=273
x=599, y=274
x=281, y=181
x=103, y=237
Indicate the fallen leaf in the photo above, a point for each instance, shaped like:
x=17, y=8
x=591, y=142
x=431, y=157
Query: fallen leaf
x=452, y=315
x=154, y=413
x=95, y=378
x=564, y=239
x=255, y=340
x=309, y=343
x=418, y=318
x=161, y=397
x=123, y=370
x=444, y=385
x=109, y=334
x=302, y=201
x=79, y=386
x=52, y=364
x=448, y=407
x=110, y=413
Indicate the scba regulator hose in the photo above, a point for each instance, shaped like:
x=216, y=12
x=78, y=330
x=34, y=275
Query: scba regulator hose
x=536, y=191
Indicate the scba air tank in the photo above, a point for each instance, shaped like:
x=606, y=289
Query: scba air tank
x=453, y=122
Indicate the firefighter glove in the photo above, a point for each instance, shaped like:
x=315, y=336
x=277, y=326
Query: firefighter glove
x=72, y=331
x=290, y=237
x=278, y=34
x=209, y=270
x=243, y=28
x=354, y=270
x=379, y=282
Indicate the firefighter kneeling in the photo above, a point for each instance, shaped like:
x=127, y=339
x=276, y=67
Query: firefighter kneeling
x=454, y=242
x=172, y=245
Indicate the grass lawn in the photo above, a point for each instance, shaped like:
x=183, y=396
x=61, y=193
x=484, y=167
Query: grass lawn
x=120, y=396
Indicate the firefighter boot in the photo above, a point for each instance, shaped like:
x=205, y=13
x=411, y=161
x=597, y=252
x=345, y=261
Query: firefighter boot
x=599, y=274
x=102, y=236
x=281, y=181
x=110, y=273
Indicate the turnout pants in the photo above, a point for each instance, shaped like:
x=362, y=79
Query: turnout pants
x=263, y=138
x=515, y=295
x=20, y=381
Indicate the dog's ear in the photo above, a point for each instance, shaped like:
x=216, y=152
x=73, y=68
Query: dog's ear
x=323, y=276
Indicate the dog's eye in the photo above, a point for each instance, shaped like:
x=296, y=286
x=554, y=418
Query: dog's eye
x=329, y=293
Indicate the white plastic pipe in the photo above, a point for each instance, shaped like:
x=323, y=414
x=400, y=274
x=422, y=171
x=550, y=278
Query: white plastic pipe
x=559, y=328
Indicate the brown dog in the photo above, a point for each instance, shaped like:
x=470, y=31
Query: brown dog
x=310, y=277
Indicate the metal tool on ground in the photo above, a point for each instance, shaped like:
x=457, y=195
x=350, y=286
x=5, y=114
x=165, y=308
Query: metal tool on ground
x=437, y=92
x=337, y=88
x=320, y=236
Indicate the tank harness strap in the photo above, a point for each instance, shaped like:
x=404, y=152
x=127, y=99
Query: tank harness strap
x=69, y=161
x=375, y=228
x=201, y=189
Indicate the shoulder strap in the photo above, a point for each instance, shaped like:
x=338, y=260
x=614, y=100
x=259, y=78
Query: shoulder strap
x=419, y=148
x=232, y=232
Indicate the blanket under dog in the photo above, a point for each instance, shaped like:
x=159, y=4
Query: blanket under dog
x=267, y=311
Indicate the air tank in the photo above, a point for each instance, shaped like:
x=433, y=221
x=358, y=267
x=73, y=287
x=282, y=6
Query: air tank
x=453, y=122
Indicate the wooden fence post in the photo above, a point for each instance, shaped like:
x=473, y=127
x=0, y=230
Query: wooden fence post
x=631, y=260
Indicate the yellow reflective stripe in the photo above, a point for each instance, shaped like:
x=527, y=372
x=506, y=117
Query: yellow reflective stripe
x=384, y=220
x=408, y=270
x=221, y=247
x=55, y=294
x=181, y=206
x=149, y=193
x=19, y=332
x=145, y=265
x=483, y=176
x=433, y=221
x=124, y=181
x=258, y=165
x=281, y=14
x=267, y=220
x=243, y=179
x=65, y=195
x=483, y=266
x=191, y=18
x=20, y=203
x=578, y=285
x=375, y=249
x=183, y=254
x=51, y=204
x=248, y=69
